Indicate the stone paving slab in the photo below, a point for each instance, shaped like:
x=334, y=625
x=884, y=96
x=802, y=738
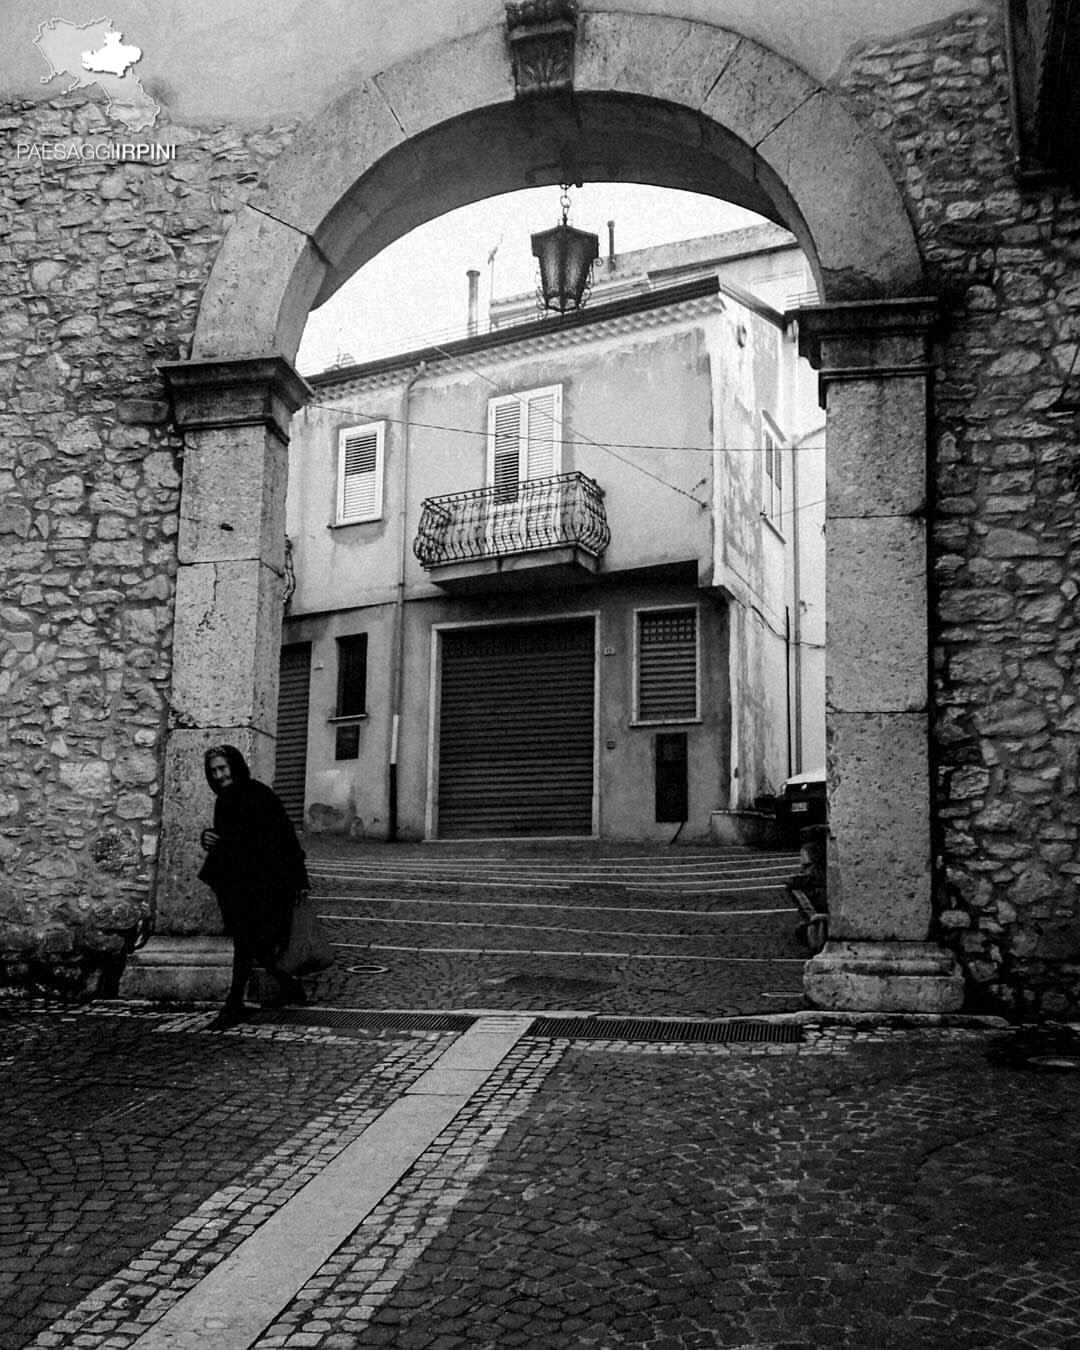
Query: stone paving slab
x=871, y=1186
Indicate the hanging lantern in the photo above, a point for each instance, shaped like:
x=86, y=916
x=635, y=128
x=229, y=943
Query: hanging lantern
x=566, y=257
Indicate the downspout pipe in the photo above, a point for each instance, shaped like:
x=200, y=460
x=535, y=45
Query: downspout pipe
x=397, y=670
x=796, y=604
x=787, y=669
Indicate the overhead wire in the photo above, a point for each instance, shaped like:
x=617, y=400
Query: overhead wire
x=580, y=437
x=566, y=440
x=609, y=446
x=576, y=437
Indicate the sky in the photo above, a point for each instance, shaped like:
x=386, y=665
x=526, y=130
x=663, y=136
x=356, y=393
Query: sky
x=416, y=290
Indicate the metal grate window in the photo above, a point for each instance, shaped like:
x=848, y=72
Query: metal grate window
x=667, y=665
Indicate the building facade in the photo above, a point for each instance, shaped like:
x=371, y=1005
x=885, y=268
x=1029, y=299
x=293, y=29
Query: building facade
x=545, y=577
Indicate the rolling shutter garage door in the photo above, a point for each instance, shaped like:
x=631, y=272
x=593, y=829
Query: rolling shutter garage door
x=290, y=764
x=516, y=730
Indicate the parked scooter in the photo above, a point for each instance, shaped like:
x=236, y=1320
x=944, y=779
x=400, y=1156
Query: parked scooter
x=808, y=888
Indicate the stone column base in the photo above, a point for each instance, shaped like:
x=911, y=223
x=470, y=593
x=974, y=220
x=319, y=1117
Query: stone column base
x=884, y=977
x=179, y=970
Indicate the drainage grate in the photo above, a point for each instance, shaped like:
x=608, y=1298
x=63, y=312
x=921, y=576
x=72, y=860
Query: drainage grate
x=370, y=1019
x=654, y=1029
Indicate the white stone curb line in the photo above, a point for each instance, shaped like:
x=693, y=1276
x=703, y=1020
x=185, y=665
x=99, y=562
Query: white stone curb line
x=240, y=1296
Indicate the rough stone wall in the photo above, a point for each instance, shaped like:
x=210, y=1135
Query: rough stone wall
x=101, y=272
x=1005, y=535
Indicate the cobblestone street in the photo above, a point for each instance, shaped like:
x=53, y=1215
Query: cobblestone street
x=434, y=1155
x=865, y=1185
x=629, y=929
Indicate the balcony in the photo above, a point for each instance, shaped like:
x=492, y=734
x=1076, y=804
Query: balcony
x=546, y=530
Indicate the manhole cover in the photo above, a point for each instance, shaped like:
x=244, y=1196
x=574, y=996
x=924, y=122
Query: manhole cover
x=366, y=970
x=1058, y=1063
x=1045, y=1050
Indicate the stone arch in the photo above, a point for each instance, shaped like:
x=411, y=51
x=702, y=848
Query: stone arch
x=668, y=101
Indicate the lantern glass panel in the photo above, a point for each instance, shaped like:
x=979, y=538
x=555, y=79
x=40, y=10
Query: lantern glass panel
x=566, y=257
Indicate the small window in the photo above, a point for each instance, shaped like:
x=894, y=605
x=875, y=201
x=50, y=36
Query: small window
x=667, y=665
x=525, y=439
x=352, y=676
x=360, y=473
x=773, y=505
x=347, y=741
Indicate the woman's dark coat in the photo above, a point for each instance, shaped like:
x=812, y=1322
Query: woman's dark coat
x=257, y=867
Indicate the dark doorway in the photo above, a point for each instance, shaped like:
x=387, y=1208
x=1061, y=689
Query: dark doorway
x=672, y=778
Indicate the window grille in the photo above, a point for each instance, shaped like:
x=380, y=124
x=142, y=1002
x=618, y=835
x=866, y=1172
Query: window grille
x=667, y=665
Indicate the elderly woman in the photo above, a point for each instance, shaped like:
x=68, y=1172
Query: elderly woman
x=255, y=867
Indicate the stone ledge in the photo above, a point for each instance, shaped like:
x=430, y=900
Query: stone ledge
x=912, y=977
x=179, y=970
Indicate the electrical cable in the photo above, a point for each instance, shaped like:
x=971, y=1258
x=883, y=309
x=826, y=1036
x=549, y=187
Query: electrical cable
x=567, y=440
x=609, y=447
x=577, y=438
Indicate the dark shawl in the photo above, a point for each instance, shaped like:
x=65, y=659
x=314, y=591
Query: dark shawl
x=258, y=866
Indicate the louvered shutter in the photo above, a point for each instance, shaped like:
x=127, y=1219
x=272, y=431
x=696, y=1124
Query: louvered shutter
x=360, y=496
x=667, y=665
x=526, y=438
x=541, y=456
x=290, y=765
x=506, y=455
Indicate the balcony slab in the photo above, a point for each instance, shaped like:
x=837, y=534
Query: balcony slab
x=568, y=565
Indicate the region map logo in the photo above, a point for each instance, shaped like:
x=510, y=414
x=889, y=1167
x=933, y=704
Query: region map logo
x=95, y=53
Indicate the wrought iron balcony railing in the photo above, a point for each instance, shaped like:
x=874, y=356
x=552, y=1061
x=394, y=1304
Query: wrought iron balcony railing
x=493, y=522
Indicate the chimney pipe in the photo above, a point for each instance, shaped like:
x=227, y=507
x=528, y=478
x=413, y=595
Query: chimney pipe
x=611, y=245
x=474, y=291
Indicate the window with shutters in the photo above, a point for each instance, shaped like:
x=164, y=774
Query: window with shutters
x=524, y=439
x=667, y=665
x=773, y=505
x=360, y=473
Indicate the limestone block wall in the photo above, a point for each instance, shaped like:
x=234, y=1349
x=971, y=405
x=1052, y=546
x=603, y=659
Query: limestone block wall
x=101, y=273
x=1005, y=525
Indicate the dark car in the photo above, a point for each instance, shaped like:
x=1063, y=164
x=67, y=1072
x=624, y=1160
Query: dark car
x=801, y=802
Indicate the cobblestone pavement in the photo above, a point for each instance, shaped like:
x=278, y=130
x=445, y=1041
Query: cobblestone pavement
x=612, y=928
x=361, y=1173
x=865, y=1186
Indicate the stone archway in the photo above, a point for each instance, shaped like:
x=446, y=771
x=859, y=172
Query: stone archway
x=667, y=101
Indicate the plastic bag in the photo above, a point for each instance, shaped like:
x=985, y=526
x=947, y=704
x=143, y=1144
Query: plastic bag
x=308, y=949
